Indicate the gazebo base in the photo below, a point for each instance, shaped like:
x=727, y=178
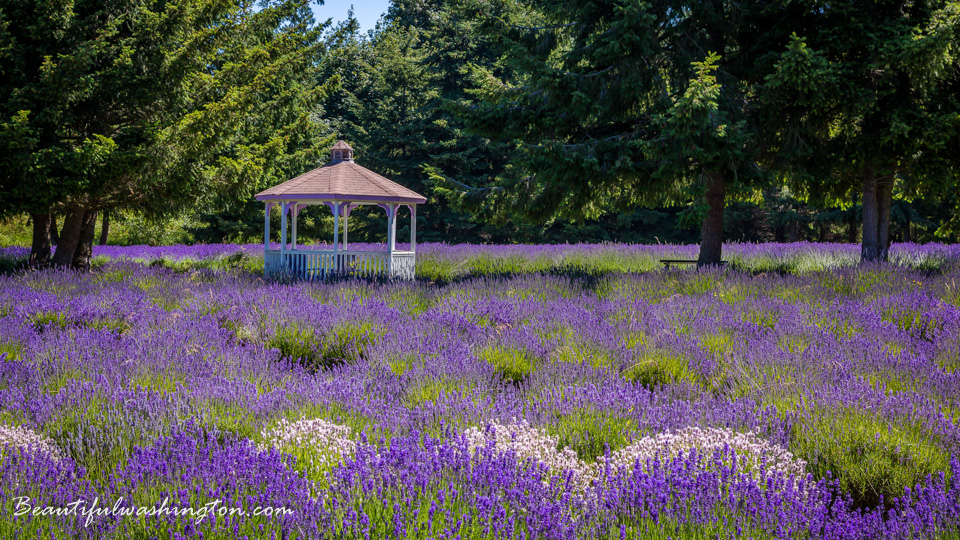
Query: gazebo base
x=316, y=264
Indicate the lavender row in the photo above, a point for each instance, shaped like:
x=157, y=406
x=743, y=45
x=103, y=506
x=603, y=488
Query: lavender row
x=144, y=382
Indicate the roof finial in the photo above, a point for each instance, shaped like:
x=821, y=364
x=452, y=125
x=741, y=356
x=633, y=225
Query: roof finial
x=341, y=152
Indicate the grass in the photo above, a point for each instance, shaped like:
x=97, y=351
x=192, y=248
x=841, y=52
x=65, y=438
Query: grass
x=658, y=367
x=163, y=383
x=345, y=343
x=46, y=320
x=919, y=325
x=510, y=364
x=411, y=301
x=11, y=349
x=872, y=459
x=430, y=390
x=592, y=433
x=584, y=353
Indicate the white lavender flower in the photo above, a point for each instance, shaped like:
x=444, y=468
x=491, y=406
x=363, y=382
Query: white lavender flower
x=329, y=442
x=754, y=455
x=26, y=439
x=528, y=442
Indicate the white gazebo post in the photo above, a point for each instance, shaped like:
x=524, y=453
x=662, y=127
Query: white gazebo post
x=336, y=233
x=391, y=235
x=346, y=220
x=393, y=226
x=266, y=228
x=283, y=234
x=293, y=235
x=413, y=227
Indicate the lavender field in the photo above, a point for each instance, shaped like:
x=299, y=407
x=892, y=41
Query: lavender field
x=510, y=392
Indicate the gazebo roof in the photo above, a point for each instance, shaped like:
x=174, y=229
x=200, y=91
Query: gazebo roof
x=342, y=181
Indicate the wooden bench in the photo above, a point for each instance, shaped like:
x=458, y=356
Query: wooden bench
x=668, y=262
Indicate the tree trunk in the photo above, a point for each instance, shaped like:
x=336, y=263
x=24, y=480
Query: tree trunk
x=84, y=252
x=884, y=203
x=870, y=245
x=104, y=228
x=69, y=237
x=852, y=229
x=795, y=230
x=54, y=231
x=711, y=242
x=877, y=200
x=40, y=249
x=907, y=236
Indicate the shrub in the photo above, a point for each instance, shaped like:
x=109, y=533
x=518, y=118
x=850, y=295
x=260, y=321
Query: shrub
x=345, y=343
x=592, y=433
x=659, y=367
x=511, y=365
x=871, y=458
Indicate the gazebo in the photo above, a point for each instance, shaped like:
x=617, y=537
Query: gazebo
x=342, y=185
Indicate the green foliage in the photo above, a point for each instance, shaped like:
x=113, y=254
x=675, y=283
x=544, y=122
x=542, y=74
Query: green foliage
x=871, y=458
x=45, y=320
x=874, y=116
x=592, y=433
x=920, y=325
x=585, y=353
x=659, y=367
x=430, y=390
x=12, y=350
x=345, y=343
x=154, y=110
x=392, y=109
x=15, y=231
x=511, y=365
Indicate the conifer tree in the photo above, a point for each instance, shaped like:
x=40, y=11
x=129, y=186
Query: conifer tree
x=867, y=96
x=392, y=108
x=617, y=104
x=151, y=106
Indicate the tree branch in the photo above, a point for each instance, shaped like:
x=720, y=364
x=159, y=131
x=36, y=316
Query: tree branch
x=553, y=27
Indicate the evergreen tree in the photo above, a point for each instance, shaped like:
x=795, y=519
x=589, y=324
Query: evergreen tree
x=392, y=109
x=868, y=94
x=151, y=106
x=618, y=104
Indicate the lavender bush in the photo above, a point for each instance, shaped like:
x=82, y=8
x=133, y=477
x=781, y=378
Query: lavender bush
x=509, y=392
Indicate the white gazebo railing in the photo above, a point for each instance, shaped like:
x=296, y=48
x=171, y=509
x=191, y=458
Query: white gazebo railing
x=317, y=264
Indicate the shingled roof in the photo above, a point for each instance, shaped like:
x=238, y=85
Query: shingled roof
x=342, y=180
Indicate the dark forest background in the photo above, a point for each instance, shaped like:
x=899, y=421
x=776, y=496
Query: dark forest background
x=99, y=147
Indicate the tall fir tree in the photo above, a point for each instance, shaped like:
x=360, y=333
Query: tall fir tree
x=868, y=95
x=618, y=104
x=392, y=109
x=151, y=106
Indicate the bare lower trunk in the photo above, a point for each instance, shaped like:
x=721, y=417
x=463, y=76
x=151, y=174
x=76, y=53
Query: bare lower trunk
x=877, y=200
x=870, y=245
x=84, y=251
x=104, y=228
x=69, y=237
x=795, y=231
x=711, y=243
x=54, y=231
x=907, y=236
x=40, y=249
x=884, y=203
x=852, y=228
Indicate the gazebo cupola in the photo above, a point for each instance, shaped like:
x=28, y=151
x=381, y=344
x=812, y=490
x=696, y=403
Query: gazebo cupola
x=341, y=152
x=342, y=185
